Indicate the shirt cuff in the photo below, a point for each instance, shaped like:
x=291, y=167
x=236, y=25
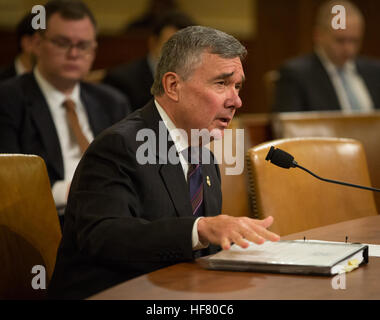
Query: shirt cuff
x=60, y=191
x=197, y=245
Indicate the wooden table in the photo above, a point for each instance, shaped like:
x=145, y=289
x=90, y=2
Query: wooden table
x=188, y=281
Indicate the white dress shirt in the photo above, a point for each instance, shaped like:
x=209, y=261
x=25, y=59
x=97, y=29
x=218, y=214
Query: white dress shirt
x=19, y=67
x=181, y=143
x=356, y=83
x=71, y=152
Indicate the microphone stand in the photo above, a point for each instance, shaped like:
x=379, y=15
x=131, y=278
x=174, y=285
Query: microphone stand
x=334, y=181
x=285, y=160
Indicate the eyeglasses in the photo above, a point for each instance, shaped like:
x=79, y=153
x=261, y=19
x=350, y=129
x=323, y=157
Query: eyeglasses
x=65, y=45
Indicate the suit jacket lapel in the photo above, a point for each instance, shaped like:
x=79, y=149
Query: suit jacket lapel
x=38, y=108
x=171, y=174
x=176, y=185
x=326, y=85
x=174, y=178
x=95, y=117
x=211, y=190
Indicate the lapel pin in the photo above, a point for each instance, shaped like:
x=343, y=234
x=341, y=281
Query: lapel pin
x=208, y=181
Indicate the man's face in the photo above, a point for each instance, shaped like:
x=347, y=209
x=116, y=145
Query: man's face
x=58, y=60
x=209, y=98
x=342, y=45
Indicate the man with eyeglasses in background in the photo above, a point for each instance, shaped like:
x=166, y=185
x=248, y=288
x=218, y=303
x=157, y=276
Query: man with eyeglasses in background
x=50, y=112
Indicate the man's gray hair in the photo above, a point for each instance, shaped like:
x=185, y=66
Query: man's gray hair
x=182, y=52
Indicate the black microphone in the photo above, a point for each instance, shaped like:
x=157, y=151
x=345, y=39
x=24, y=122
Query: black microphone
x=285, y=160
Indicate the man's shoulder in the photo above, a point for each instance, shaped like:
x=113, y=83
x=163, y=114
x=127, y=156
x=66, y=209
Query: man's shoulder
x=130, y=68
x=301, y=63
x=17, y=81
x=133, y=122
x=7, y=72
x=368, y=63
x=124, y=132
x=19, y=88
x=102, y=92
x=18, y=94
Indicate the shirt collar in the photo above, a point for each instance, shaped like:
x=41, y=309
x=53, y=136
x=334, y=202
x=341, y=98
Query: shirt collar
x=349, y=66
x=53, y=94
x=20, y=69
x=180, y=140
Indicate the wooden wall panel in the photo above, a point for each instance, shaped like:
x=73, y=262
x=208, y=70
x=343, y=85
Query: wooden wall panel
x=283, y=29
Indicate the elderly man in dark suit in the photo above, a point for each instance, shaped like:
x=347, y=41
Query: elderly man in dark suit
x=333, y=77
x=138, y=201
x=50, y=112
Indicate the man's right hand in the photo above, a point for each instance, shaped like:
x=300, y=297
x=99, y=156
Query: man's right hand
x=223, y=230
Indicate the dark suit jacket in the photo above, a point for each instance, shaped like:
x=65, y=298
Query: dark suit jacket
x=134, y=80
x=124, y=219
x=26, y=124
x=304, y=85
x=8, y=72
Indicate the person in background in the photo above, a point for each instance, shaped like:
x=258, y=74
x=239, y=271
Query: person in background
x=126, y=217
x=50, y=112
x=334, y=77
x=25, y=59
x=144, y=24
x=136, y=78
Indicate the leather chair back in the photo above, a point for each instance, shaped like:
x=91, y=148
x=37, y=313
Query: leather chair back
x=233, y=173
x=29, y=228
x=364, y=127
x=298, y=201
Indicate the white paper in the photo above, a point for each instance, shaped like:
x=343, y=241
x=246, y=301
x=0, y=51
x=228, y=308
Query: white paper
x=373, y=249
x=349, y=264
x=316, y=253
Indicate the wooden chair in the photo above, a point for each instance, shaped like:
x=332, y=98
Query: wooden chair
x=29, y=228
x=362, y=126
x=298, y=201
x=234, y=186
x=270, y=78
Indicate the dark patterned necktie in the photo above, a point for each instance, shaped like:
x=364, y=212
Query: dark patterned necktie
x=195, y=182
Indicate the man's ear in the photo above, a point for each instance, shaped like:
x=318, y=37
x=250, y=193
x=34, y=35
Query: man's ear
x=170, y=82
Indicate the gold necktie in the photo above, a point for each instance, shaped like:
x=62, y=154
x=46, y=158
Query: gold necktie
x=73, y=121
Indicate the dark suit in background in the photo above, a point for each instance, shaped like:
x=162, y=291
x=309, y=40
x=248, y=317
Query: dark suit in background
x=117, y=205
x=25, y=55
x=26, y=124
x=304, y=85
x=7, y=72
x=134, y=80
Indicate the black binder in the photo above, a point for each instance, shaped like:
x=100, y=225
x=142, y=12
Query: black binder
x=294, y=257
